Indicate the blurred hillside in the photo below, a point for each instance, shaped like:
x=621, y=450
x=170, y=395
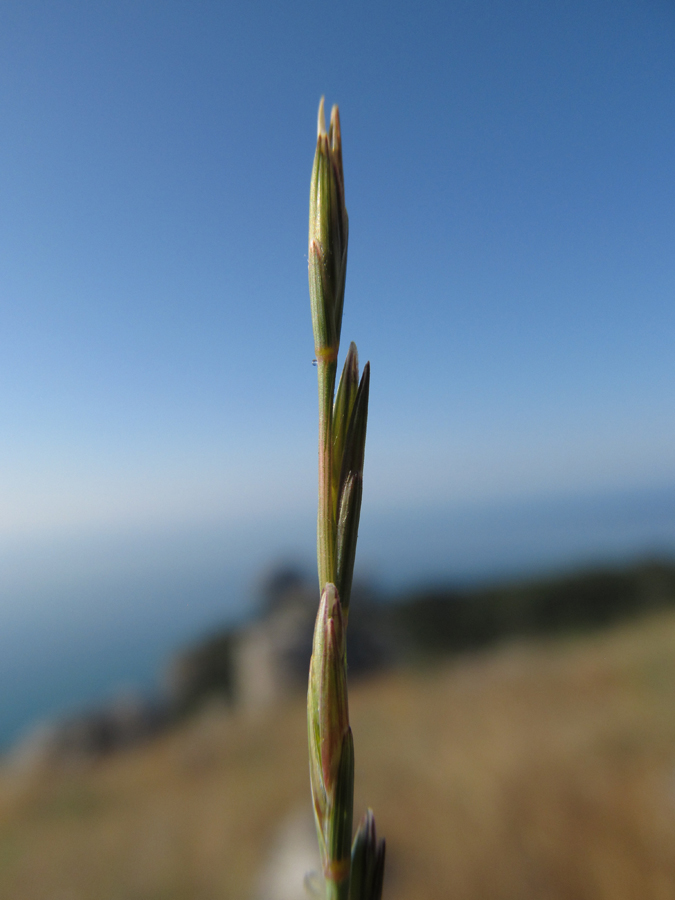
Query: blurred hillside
x=267, y=659
x=257, y=664
x=542, y=768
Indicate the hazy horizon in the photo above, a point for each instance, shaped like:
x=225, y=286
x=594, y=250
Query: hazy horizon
x=92, y=615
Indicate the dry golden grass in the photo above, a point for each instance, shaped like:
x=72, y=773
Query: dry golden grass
x=535, y=772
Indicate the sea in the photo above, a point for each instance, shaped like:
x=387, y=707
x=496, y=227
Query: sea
x=87, y=618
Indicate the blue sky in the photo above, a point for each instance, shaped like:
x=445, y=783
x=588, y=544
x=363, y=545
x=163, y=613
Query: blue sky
x=511, y=191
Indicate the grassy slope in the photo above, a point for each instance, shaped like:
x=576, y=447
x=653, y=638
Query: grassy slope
x=535, y=772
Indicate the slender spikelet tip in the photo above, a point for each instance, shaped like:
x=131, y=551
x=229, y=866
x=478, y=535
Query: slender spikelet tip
x=321, y=120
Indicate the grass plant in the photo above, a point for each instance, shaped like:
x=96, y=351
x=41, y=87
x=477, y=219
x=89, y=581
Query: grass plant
x=350, y=871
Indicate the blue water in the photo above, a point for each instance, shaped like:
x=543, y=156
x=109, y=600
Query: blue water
x=85, y=617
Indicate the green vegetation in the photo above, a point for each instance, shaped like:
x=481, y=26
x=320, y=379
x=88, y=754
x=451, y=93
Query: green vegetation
x=349, y=872
x=441, y=621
